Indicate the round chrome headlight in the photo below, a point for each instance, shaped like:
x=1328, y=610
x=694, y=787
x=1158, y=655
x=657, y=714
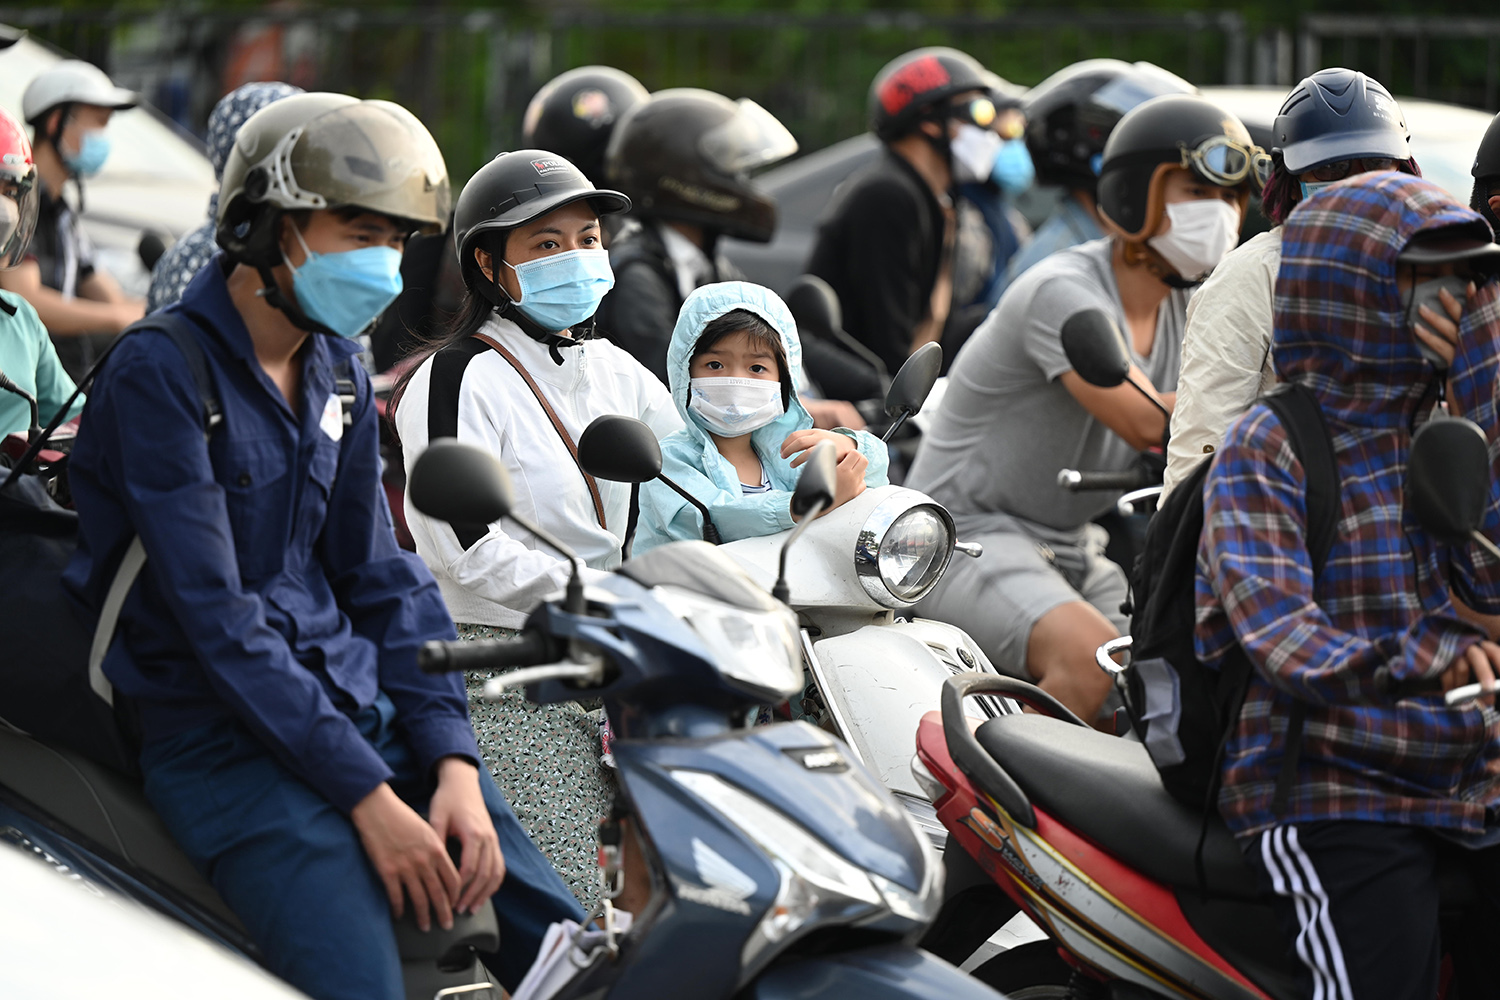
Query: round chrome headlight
x=903, y=550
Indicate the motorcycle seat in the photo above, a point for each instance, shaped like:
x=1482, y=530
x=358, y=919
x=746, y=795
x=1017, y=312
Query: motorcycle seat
x=1106, y=789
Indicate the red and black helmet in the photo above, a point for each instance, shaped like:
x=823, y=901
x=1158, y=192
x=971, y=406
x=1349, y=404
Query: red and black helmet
x=910, y=86
x=18, y=192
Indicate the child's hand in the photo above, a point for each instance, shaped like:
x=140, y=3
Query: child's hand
x=803, y=441
x=850, y=478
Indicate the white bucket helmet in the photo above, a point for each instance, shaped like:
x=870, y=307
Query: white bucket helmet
x=73, y=81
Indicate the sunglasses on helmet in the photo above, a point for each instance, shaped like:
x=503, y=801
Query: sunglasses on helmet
x=1226, y=162
x=1339, y=169
x=976, y=111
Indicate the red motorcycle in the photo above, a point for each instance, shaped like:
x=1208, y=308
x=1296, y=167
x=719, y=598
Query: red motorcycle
x=1076, y=829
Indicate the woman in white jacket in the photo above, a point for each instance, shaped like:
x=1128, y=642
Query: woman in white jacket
x=512, y=377
x=1334, y=124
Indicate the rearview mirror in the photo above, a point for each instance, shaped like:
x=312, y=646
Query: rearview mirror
x=1095, y=348
x=1448, y=478
x=815, y=306
x=910, y=387
x=815, y=485
x=460, y=484
x=621, y=449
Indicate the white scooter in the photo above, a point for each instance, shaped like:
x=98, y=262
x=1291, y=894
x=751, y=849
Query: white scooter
x=857, y=569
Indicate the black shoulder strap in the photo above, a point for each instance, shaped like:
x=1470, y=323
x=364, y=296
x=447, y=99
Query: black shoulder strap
x=180, y=329
x=1302, y=417
x=1308, y=435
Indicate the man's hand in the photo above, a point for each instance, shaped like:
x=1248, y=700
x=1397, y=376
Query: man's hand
x=830, y=413
x=1480, y=662
x=408, y=854
x=458, y=810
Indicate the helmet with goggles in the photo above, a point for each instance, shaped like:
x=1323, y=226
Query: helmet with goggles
x=1167, y=133
x=1338, y=115
x=686, y=155
x=18, y=192
x=913, y=88
x=1070, y=115
x=574, y=114
x=325, y=151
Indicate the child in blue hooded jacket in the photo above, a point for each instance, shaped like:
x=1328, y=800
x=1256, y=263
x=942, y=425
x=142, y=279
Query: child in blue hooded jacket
x=733, y=367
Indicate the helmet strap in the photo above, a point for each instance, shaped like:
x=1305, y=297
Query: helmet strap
x=271, y=292
x=1138, y=254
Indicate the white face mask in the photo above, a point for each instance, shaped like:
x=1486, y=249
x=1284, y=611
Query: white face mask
x=974, y=150
x=731, y=407
x=1202, y=232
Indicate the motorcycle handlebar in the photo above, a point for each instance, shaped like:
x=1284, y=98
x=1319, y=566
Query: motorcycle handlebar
x=525, y=650
x=1076, y=482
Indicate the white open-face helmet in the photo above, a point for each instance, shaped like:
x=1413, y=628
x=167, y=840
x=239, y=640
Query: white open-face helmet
x=74, y=81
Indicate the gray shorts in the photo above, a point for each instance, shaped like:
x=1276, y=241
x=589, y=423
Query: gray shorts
x=999, y=597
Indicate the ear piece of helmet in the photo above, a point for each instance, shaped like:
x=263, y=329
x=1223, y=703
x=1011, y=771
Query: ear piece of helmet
x=257, y=184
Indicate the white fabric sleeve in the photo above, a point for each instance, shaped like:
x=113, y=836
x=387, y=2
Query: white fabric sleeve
x=1225, y=360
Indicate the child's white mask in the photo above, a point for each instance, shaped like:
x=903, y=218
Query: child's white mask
x=731, y=407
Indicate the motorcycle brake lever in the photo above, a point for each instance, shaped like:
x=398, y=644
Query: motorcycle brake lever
x=971, y=549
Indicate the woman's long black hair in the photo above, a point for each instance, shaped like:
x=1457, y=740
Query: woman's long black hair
x=473, y=312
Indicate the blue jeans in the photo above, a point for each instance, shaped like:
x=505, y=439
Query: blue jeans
x=291, y=866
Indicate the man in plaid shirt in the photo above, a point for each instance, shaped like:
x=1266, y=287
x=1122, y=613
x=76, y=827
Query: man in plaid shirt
x=1384, y=784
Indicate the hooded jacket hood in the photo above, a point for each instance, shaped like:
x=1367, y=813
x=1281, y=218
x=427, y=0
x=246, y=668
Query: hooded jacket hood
x=701, y=308
x=1340, y=326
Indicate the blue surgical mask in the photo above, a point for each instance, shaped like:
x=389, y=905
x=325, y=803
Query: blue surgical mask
x=563, y=290
x=93, y=150
x=347, y=291
x=1310, y=188
x=1013, y=169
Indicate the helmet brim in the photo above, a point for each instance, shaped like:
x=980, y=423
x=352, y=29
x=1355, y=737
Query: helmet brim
x=1466, y=244
x=603, y=202
x=1300, y=157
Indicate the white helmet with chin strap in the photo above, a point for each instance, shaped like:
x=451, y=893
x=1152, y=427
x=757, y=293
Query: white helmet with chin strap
x=73, y=81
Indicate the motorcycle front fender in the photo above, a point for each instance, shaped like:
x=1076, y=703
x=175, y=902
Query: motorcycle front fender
x=883, y=972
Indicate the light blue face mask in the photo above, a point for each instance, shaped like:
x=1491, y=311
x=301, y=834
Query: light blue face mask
x=563, y=290
x=347, y=291
x=1013, y=169
x=1310, y=188
x=93, y=150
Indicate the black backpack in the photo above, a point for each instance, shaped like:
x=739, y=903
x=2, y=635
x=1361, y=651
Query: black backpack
x=1185, y=711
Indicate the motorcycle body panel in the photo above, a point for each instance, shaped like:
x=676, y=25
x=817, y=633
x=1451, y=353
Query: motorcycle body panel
x=1108, y=916
x=879, y=973
x=879, y=680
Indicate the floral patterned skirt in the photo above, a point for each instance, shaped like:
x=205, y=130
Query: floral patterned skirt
x=545, y=758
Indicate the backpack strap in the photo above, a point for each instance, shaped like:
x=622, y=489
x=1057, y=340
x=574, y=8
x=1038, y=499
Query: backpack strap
x=1307, y=432
x=181, y=331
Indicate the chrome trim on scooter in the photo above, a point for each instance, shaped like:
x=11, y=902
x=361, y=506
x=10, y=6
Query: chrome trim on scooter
x=872, y=536
x=1105, y=653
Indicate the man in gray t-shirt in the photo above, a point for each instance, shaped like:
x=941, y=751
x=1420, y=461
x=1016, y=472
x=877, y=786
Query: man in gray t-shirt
x=1042, y=597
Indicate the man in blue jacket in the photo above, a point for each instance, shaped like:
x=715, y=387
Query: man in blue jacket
x=290, y=742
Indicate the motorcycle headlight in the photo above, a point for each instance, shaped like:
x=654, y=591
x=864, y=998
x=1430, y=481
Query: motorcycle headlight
x=903, y=550
x=757, y=648
x=817, y=884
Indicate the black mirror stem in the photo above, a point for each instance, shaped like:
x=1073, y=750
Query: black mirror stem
x=710, y=531
x=890, y=431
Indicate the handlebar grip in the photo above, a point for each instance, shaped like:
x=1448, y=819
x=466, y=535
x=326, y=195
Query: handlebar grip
x=1076, y=482
x=525, y=650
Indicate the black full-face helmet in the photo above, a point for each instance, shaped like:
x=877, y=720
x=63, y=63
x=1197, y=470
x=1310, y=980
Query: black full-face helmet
x=1070, y=115
x=912, y=87
x=574, y=114
x=510, y=191
x=685, y=155
x=1167, y=133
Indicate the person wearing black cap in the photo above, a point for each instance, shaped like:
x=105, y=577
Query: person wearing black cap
x=886, y=244
x=518, y=374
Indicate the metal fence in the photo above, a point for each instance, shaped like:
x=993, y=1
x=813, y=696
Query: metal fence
x=469, y=74
x=1446, y=58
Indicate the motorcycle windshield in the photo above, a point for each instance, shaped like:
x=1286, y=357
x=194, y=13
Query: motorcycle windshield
x=753, y=138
